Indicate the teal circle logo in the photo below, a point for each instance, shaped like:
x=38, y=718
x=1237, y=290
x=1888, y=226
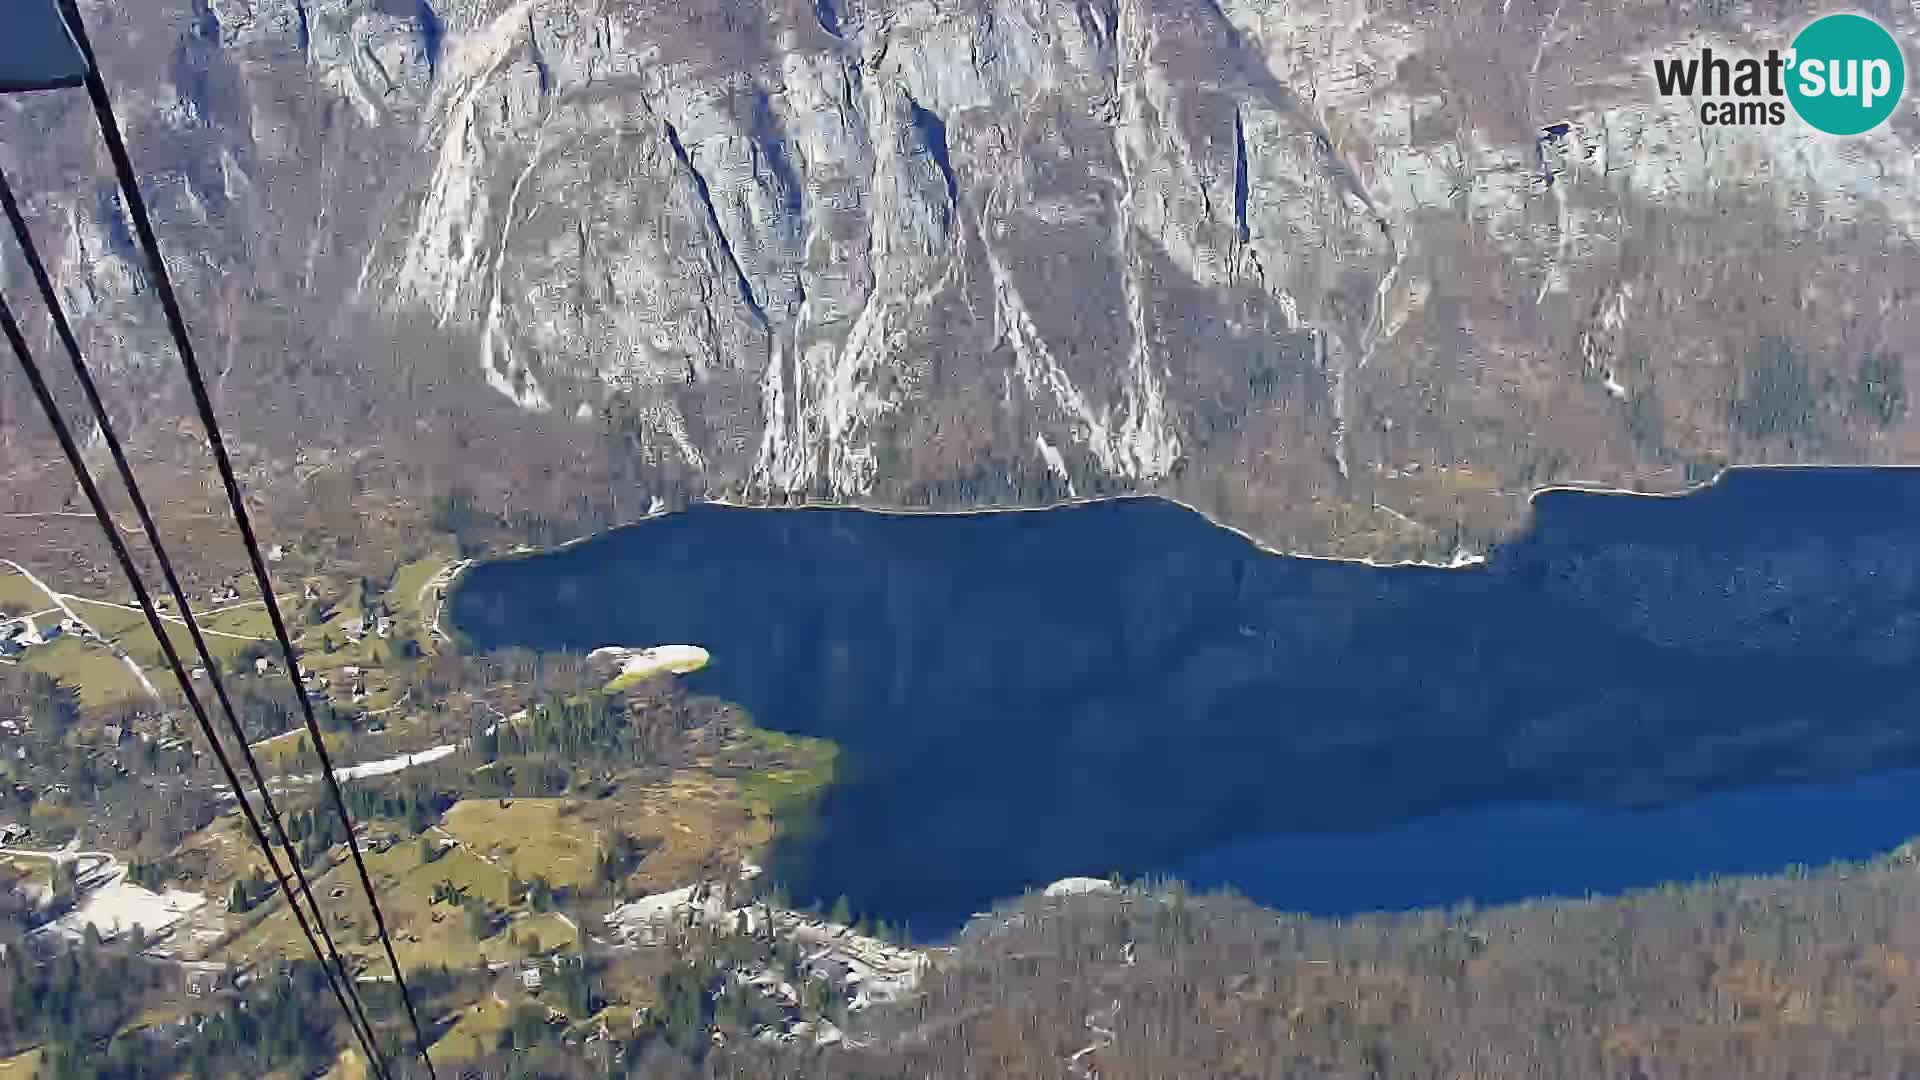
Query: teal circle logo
x=1846, y=74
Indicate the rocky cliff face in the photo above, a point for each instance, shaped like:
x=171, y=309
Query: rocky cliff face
x=1352, y=276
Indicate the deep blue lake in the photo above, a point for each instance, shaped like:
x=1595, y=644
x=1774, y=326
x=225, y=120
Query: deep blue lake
x=1638, y=690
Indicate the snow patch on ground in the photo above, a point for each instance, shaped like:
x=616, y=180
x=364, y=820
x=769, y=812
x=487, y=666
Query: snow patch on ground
x=1079, y=886
x=636, y=664
x=389, y=766
x=871, y=970
x=113, y=905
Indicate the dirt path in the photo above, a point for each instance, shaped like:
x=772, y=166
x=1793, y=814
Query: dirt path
x=60, y=599
x=175, y=619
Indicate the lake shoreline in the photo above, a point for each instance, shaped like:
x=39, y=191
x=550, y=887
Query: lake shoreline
x=1169, y=690
x=1462, y=560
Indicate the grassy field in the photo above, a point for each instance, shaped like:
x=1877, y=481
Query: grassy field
x=404, y=594
x=116, y=621
x=349, y=1066
x=88, y=667
x=700, y=821
x=458, y=865
x=412, y=611
x=789, y=792
x=543, y=931
x=475, y=1032
x=549, y=837
x=100, y=676
x=282, y=753
x=370, y=654
x=160, y=1013
x=400, y=601
x=347, y=609
x=19, y=594
x=145, y=648
x=110, y=620
x=130, y=629
x=692, y=825
x=620, y=1019
x=34, y=871
x=249, y=621
x=218, y=853
x=405, y=885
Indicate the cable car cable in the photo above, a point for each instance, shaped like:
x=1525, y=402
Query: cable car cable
x=23, y=236
x=11, y=329
x=176, y=324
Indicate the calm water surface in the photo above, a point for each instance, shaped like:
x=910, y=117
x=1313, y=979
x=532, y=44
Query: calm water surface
x=1639, y=690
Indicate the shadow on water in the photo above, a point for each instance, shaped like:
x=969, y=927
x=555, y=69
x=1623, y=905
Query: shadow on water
x=1125, y=687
